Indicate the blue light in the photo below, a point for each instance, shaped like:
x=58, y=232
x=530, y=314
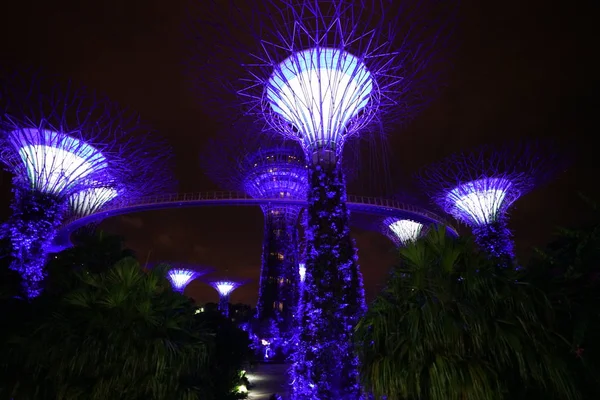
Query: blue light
x=319, y=91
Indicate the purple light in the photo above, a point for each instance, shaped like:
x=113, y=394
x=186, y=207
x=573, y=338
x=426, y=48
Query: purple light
x=180, y=274
x=319, y=91
x=302, y=271
x=266, y=169
x=480, y=202
x=180, y=278
x=478, y=188
x=402, y=231
x=66, y=148
x=319, y=74
x=225, y=288
x=276, y=173
x=88, y=201
x=55, y=162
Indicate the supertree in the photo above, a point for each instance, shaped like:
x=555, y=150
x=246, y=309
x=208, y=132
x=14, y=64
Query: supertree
x=181, y=274
x=321, y=72
x=65, y=145
x=225, y=288
x=479, y=188
x=266, y=169
x=402, y=231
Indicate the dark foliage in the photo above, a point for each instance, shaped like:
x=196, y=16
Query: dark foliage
x=113, y=332
x=452, y=325
x=231, y=354
x=568, y=270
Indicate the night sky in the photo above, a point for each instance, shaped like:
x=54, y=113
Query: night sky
x=519, y=72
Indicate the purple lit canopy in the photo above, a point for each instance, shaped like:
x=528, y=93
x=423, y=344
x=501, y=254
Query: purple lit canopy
x=181, y=274
x=70, y=152
x=402, y=231
x=246, y=159
x=224, y=287
x=479, y=187
x=320, y=72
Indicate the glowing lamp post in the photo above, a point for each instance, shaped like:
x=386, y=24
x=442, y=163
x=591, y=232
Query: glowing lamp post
x=402, y=231
x=225, y=288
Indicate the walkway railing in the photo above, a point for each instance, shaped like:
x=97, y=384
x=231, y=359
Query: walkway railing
x=233, y=197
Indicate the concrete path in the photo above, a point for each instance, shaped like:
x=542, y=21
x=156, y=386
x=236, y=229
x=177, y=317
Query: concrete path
x=267, y=379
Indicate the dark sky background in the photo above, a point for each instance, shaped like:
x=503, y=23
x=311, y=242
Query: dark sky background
x=519, y=72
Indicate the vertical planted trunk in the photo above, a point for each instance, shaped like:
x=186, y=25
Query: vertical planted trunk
x=325, y=366
x=32, y=226
x=279, y=275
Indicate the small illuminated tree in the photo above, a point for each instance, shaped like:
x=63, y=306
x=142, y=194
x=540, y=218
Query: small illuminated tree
x=59, y=142
x=225, y=288
x=320, y=73
x=181, y=274
x=402, y=231
x=266, y=169
x=479, y=188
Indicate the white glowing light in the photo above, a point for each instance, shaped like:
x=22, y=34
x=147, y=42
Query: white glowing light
x=55, y=161
x=302, y=271
x=404, y=230
x=88, y=201
x=479, y=201
x=225, y=288
x=180, y=278
x=319, y=91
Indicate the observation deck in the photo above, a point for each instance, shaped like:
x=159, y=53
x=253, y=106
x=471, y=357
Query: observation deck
x=356, y=204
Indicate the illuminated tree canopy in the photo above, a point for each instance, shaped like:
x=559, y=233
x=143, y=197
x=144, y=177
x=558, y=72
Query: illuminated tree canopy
x=181, y=274
x=402, y=231
x=70, y=151
x=320, y=72
x=479, y=187
x=225, y=288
